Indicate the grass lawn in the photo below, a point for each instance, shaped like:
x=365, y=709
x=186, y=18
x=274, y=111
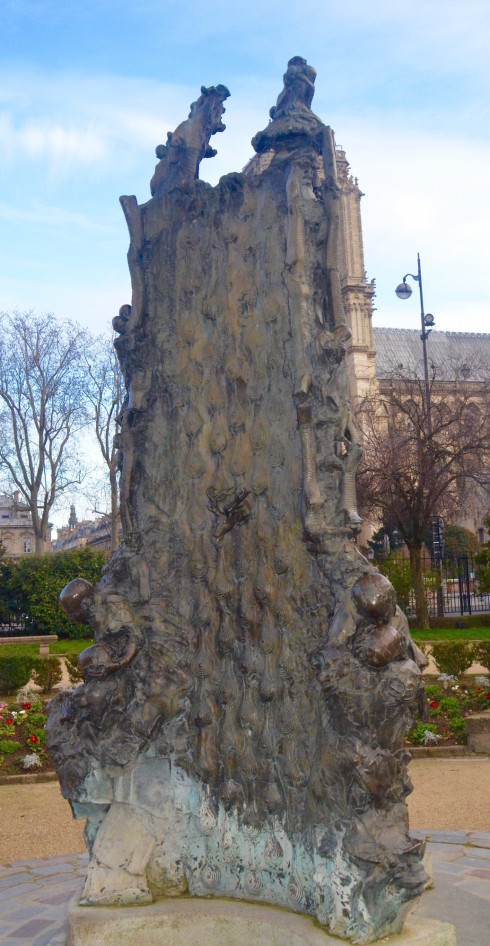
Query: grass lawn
x=55, y=647
x=451, y=634
x=433, y=634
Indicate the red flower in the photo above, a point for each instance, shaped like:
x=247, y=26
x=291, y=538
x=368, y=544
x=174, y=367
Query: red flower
x=486, y=696
x=34, y=739
x=26, y=706
x=9, y=721
x=434, y=704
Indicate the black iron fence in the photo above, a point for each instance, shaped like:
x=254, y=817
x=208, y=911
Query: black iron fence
x=14, y=625
x=453, y=587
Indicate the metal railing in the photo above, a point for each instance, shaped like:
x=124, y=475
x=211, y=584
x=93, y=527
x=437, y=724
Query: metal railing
x=453, y=588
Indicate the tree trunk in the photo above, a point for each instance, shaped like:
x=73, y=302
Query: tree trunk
x=114, y=509
x=421, y=609
x=40, y=544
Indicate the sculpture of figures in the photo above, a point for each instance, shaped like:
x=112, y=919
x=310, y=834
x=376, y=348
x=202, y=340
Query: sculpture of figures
x=186, y=147
x=299, y=88
x=239, y=731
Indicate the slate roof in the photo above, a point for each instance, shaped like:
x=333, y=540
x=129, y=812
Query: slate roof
x=454, y=354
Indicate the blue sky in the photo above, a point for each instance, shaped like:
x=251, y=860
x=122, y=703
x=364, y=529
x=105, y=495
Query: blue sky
x=88, y=89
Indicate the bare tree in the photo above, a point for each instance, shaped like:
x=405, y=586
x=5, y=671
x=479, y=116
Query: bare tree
x=42, y=408
x=415, y=466
x=106, y=395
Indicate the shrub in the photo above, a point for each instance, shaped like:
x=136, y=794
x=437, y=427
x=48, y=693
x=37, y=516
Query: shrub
x=36, y=720
x=457, y=621
x=458, y=726
x=15, y=672
x=450, y=705
x=71, y=661
x=418, y=733
x=31, y=586
x=8, y=746
x=47, y=673
x=433, y=692
x=481, y=653
x=453, y=657
x=397, y=569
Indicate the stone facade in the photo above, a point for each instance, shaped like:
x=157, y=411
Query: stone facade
x=91, y=533
x=357, y=292
x=16, y=530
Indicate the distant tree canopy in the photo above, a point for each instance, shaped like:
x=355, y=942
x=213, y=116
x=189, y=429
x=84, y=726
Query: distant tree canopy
x=483, y=563
x=421, y=458
x=460, y=541
x=43, y=405
x=384, y=541
x=31, y=587
x=106, y=393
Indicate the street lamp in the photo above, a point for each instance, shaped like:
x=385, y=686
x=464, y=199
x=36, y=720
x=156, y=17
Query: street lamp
x=427, y=321
x=404, y=291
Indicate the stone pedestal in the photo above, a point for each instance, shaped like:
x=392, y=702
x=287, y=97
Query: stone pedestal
x=186, y=922
x=478, y=728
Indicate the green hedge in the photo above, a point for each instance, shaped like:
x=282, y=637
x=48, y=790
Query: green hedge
x=453, y=657
x=15, y=672
x=472, y=620
x=47, y=673
x=31, y=587
x=481, y=652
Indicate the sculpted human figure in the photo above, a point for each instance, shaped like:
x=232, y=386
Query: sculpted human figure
x=186, y=147
x=299, y=88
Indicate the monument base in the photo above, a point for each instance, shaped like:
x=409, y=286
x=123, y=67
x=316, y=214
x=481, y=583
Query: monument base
x=187, y=922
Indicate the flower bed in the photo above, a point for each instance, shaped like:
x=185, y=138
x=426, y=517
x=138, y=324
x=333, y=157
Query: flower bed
x=451, y=702
x=22, y=738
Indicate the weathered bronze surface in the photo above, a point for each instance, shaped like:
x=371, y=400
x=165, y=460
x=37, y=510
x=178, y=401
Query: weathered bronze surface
x=240, y=728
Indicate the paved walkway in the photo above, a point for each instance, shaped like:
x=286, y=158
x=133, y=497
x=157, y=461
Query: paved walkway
x=34, y=894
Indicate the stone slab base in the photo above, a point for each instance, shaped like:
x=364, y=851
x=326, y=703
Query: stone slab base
x=199, y=922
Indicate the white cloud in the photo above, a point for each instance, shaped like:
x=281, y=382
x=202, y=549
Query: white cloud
x=68, y=121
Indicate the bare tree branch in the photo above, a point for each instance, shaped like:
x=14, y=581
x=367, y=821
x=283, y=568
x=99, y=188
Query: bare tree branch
x=406, y=475
x=106, y=394
x=43, y=405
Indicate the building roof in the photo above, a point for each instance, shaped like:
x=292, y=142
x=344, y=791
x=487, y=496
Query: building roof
x=454, y=355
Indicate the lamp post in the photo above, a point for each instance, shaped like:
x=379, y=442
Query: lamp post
x=427, y=322
x=404, y=291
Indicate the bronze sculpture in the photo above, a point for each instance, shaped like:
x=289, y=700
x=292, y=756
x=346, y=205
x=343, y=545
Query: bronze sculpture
x=240, y=728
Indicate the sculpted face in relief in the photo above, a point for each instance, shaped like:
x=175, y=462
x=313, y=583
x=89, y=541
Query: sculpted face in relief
x=240, y=727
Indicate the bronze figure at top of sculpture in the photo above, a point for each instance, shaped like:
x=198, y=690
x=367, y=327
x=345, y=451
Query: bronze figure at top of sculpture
x=299, y=88
x=293, y=122
x=189, y=144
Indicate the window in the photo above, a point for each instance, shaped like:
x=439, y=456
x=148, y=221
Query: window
x=27, y=545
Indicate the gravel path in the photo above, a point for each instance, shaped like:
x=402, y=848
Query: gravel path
x=448, y=794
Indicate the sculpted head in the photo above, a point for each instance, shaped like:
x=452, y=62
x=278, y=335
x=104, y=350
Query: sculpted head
x=209, y=107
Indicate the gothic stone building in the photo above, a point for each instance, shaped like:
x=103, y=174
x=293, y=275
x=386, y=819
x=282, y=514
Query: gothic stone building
x=376, y=354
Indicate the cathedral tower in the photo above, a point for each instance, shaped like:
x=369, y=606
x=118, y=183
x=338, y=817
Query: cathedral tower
x=357, y=292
